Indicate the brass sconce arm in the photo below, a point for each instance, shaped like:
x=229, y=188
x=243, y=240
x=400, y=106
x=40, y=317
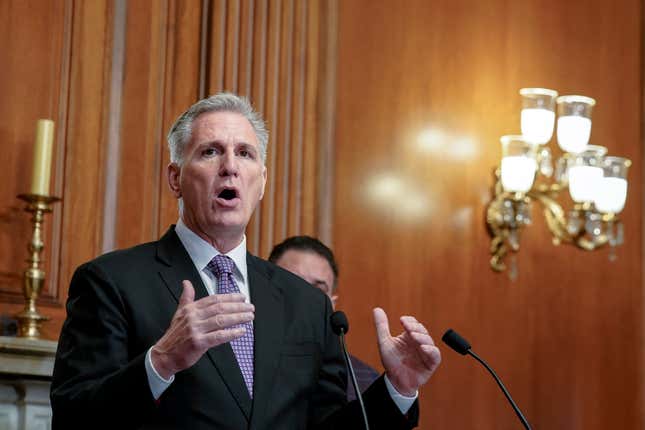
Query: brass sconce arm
x=508, y=213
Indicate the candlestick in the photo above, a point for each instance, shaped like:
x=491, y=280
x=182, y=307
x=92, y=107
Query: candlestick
x=42, y=157
x=29, y=320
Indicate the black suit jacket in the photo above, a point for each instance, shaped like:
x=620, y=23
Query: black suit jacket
x=121, y=303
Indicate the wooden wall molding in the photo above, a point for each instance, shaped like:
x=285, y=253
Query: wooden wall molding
x=114, y=127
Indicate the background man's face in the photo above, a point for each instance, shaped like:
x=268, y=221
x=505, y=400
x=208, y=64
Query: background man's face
x=223, y=176
x=312, y=268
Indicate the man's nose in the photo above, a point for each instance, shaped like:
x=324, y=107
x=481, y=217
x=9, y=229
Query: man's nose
x=229, y=166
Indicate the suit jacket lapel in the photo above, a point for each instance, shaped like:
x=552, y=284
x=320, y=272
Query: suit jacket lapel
x=268, y=329
x=179, y=266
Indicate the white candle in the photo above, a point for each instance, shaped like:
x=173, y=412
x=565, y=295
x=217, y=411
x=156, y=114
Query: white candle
x=42, y=157
x=611, y=195
x=518, y=173
x=573, y=133
x=584, y=182
x=537, y=125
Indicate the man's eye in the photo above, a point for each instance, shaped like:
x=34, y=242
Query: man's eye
x=246, y=153
x=209, y=151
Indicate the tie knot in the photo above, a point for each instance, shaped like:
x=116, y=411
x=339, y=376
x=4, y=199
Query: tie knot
x=221, y=264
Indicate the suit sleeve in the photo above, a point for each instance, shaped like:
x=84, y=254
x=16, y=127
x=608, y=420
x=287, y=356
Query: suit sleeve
x=382, y=412
x=96, y=382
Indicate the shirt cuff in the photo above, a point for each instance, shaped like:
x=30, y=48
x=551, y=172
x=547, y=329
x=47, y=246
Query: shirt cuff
x=157, y=384
x=404, y=403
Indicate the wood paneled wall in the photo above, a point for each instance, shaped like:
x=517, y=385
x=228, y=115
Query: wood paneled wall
x=418, y=94
x=424, y=90
x=54, y=66
x=114, y=75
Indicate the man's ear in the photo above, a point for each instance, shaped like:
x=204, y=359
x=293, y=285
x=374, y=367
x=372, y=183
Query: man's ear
x=173, y=173
x=264, y=180
x=334, y=298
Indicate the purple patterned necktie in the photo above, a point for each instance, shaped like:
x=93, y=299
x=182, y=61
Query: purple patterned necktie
x=222, y=267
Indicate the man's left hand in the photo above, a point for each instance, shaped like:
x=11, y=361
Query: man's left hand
x=409, y=358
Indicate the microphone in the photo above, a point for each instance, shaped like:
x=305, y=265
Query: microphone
x=339, y=323
x=461, y=345
x=456, y=342
x=340, y=326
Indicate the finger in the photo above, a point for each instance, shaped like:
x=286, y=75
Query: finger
x=188, y=293
x=220, y=298
x=219, y=337
x=381, y=323
x=426, y=350
x=226, y=321
x=431, y=356
x=410, y=324
x=426, y=335
x=422, y=339
x=224, y=308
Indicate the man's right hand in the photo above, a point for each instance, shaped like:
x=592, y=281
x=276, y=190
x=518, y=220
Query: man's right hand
x=198, y=326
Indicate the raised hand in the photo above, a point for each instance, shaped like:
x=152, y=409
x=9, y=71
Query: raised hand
x=198, y=326
x=409, y=358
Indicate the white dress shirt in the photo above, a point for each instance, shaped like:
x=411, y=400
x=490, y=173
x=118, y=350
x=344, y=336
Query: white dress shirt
x=201, y=253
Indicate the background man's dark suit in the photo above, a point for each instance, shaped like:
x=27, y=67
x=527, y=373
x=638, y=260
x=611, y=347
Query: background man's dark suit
x=313, y=261
x=100, y=379
x=365, y=376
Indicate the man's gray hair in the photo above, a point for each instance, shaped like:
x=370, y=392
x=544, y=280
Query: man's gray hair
x=181, y=131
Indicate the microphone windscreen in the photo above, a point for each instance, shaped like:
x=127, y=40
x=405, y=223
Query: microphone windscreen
x=339, y=322
x=456, y=342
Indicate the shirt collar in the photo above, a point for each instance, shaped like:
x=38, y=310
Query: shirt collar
x=202, y=252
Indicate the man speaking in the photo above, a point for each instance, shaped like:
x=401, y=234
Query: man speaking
x=192, y=332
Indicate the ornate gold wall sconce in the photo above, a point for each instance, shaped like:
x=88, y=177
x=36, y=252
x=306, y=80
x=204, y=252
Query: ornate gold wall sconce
x=597, y=183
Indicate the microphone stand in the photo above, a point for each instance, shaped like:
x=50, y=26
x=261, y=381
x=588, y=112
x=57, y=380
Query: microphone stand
x=499, y=382
x=359, y=396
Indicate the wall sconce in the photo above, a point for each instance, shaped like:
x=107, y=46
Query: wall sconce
x=597, y=183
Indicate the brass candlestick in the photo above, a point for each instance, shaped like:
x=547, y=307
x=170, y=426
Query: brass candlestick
x=29, y=320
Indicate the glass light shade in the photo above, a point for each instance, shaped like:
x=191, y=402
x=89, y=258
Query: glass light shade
x=538, y=114
x=612, y=190
x=585, y=174
x=574, y=122
x=518, y=163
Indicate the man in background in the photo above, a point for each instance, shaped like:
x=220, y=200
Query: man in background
x=314, y=262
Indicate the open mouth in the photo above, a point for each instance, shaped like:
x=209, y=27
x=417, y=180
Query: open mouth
x=227, y=194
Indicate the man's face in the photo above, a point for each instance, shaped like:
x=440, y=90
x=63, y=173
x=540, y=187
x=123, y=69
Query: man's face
x=312, y=268
x=222, y=177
